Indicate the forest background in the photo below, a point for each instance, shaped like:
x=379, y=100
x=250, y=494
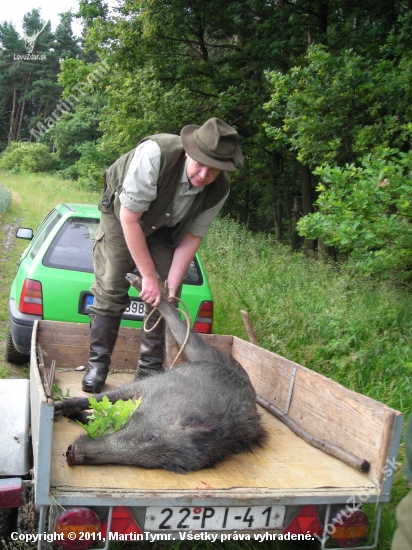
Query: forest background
x=319, y=91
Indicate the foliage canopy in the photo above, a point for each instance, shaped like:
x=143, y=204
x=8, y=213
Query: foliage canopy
x=318, y=90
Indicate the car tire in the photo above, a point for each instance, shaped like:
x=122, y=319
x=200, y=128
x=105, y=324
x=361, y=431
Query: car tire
x=8, y=522
x=12, y=355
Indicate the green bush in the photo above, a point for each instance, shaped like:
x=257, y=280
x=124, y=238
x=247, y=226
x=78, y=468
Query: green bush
x=26, y=157
x=92, y=163
x=366, y=212
x=5, y=199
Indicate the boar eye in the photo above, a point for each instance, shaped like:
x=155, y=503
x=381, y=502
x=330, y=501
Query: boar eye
x=148, y=437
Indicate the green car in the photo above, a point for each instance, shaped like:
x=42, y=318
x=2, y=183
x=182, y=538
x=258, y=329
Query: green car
x=55, y=273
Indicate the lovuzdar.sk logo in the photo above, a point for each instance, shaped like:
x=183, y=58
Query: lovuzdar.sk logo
x=30, y=41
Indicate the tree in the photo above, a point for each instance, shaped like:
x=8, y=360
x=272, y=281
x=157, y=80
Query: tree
x=179, y=62
x=28, y=80
x=338, y=113
x=366, y=211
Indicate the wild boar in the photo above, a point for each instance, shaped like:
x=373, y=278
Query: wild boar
x=192, y=416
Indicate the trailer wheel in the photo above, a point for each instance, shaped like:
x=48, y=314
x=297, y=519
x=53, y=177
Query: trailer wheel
x=12, y=355
x=8, y=521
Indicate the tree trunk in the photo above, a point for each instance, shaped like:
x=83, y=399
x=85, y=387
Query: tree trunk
x=323, y=20
x=23, y=107
x=20, y=119
x=307, y=202
x=10, y=138
x=293, y=219
x=325, y=252
x=277, y=219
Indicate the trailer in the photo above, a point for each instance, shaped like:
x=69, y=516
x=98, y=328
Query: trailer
x=329, y=451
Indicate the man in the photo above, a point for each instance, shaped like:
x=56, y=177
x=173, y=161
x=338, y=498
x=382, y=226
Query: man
x=402, y=539
x=160, y=201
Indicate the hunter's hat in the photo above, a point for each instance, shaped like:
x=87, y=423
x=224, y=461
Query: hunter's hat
x=214, y=144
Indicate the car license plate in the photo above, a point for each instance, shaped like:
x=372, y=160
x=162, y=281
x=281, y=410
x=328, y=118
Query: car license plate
x=214, y=518
x=134, y=312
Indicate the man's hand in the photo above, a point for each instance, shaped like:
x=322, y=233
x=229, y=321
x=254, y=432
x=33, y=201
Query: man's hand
x=151, y=292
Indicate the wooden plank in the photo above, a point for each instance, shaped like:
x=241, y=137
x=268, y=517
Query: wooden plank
x=68, y=345
x=351, y=421
x=270, y=374
x=286, y=463
x=322, y=407
x=41, y=425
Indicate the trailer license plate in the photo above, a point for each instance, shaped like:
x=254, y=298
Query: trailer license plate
x=214, y=518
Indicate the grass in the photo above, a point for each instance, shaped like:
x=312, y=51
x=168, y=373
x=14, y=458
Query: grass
x=5, y=199
x=355, y=331
x=33, y=196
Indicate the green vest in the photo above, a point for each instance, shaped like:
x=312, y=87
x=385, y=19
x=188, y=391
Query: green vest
x=171, y=167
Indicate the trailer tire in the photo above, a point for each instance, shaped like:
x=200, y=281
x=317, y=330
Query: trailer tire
x=12, y=355
x=8, y=521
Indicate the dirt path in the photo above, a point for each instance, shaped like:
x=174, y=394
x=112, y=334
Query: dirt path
x=8, y=255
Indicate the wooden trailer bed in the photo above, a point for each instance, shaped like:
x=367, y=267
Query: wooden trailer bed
x=286, y=468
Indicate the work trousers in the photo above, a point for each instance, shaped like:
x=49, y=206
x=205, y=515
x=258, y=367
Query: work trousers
x=402, y=539
x=112, y=261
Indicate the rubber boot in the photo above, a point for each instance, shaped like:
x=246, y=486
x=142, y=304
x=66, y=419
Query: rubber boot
x=103, y=335
x=152, y=348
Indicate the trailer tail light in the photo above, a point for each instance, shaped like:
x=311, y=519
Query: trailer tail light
x=204, y=319
x=77, y=528
x=123, y=523
x=350, y=527
x=31, y=297
x=305, y=522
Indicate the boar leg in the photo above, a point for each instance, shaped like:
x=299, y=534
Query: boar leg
x=75, y=404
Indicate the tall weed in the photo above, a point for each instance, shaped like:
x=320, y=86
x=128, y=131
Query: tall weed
x=314, y=313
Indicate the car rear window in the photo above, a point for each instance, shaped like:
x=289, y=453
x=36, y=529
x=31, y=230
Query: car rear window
x=44, y=231
x=72, y=249
x=193, y=274
x=73, y=245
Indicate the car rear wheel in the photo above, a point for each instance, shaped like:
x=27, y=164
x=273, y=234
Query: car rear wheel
x=12, y=355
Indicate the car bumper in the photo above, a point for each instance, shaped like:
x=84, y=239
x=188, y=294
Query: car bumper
x=21, y=328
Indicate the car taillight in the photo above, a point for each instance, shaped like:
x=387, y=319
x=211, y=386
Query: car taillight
x=204, y=319
x=31, y=297
x=350, y=527
x=12, y=493
x=78, y=527
x=123, y=523
x=306, y=521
